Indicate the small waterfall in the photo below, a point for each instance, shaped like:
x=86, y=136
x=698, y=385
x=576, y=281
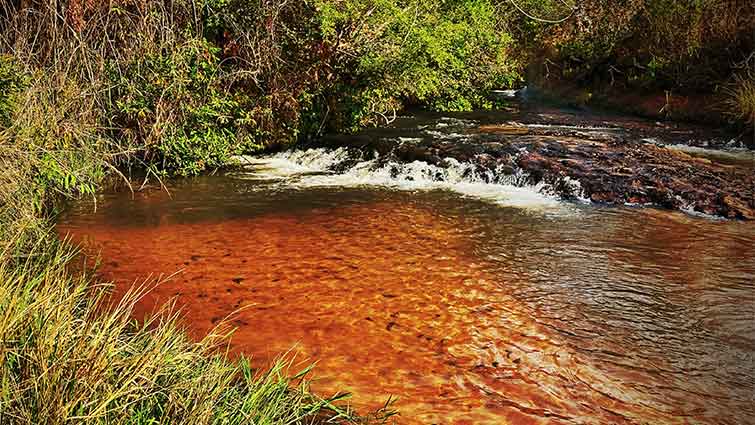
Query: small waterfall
x=321, y=167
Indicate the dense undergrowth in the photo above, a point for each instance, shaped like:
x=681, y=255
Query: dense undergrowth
x=675, y=44
x=92, y=90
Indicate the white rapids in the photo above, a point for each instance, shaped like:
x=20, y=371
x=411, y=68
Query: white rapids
x=312, y=168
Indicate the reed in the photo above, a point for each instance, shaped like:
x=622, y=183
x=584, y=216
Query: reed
x=741, y=97
x=68, y=353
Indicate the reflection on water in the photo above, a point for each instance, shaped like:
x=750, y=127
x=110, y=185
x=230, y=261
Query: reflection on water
x=470, y=312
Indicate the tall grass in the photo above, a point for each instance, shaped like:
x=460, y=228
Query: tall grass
x=742, y=98
x=68, y=355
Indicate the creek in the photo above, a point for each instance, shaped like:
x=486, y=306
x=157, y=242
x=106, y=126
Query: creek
x=471, y=298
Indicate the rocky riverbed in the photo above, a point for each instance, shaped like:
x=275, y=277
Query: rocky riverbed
x=597, y=158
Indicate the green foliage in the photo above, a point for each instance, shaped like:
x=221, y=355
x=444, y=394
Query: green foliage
x=441, y=55
x=66, y=173
x=176, y=106
x=12, y=82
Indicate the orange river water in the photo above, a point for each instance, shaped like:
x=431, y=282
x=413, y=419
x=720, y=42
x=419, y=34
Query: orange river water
x=465, y=311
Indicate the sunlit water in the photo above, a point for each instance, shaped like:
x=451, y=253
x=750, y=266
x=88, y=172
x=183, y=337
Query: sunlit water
x=472, y=302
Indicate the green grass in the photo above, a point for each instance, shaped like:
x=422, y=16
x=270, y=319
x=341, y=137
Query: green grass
x=742, y=98
x=69, y=353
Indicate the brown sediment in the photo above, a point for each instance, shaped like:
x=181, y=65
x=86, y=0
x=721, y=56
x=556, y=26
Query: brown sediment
x=390, y=301
x=507, y=128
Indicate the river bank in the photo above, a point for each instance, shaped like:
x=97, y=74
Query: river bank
x=672, y=106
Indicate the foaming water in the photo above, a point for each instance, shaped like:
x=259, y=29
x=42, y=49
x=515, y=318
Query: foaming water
x=296, y=162
x=467, y=310
x=314, y=168
x=732, y=155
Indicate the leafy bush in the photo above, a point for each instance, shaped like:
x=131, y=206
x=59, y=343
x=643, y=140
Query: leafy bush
x=176, y=106
x=444, y=56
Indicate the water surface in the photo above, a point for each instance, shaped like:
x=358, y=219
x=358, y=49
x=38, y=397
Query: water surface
x=468, y=311
x=472, y=302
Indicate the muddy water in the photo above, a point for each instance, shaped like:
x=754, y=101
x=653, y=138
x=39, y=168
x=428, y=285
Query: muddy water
x=468, y=308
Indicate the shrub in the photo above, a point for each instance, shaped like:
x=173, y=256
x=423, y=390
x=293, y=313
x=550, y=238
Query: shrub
x=175, y=106
x=445, y=56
